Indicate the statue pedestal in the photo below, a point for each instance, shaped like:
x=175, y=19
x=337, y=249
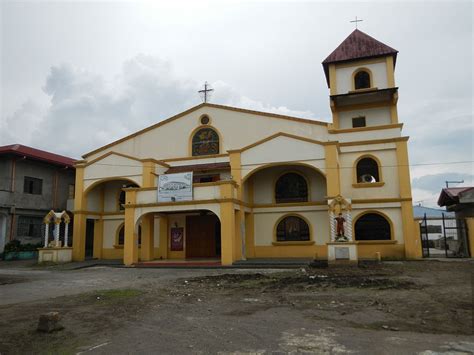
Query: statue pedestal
x=55, y=255
x=342, y=253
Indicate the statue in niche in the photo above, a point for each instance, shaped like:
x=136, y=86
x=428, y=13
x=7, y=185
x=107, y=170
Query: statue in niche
x=340, y=236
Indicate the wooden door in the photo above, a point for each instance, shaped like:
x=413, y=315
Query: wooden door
x=201, y=236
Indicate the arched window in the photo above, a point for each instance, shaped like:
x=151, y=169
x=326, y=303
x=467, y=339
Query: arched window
x=292, y=229
x=121, y=199
x=367, y=171
x=291, y=187
x=362, y=80
x=372, y=226
x=121, y=235
x=205, y=141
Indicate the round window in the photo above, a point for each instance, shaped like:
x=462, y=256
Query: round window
x=204, y=120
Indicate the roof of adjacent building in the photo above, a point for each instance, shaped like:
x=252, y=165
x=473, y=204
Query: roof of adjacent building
x=450, y=196
x=37, y=154
x=358, y=45
x=420, y=212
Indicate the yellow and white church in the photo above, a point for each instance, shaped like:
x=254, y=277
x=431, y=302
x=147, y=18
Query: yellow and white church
x=263, y=185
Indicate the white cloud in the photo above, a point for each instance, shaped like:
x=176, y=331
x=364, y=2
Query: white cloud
x=87, y=111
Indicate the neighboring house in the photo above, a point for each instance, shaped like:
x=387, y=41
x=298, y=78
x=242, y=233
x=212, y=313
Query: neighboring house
x=459, y=200
x=32, y=182
x=265, y=185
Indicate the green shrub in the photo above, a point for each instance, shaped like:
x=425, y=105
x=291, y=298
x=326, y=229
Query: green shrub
x=16, y=246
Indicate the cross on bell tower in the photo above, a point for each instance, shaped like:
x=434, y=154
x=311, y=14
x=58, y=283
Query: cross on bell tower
x=356, y=21
x=206, y=92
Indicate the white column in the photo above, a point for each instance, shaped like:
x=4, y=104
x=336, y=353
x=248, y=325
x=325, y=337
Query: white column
x=56, y=233
x=66, y=229
x=46, y=235
x=333, y=226
x=348, y=226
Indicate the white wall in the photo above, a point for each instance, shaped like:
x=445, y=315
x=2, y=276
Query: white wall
x=344, y=76
x=373, y=117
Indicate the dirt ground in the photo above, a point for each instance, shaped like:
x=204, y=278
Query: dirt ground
x=423, y=307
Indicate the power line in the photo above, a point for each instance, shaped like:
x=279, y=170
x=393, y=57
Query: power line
x=306, y=160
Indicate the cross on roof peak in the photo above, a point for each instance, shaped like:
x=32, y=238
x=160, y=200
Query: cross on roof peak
x=206, y=92
x=356, y=21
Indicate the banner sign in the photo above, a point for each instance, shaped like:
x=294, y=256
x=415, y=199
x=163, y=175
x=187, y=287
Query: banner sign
x=177, y=239
x=175, y=187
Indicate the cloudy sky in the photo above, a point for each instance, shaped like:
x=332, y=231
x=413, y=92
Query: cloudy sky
x=77, y=75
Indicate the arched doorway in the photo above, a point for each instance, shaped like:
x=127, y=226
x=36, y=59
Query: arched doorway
x=203, y=236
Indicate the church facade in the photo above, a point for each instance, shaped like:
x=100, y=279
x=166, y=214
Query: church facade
x=264, y=185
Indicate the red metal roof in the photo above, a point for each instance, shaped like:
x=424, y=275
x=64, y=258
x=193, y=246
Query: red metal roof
x=450, y=195
x=198, y=167
x=358, y=45
x=36, y=154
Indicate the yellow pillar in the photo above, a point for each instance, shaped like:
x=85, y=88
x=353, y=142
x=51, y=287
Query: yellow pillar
x=130, y=249
x=163, y=237
x=410, y=237
x=148, y=174
x=98, y=238
x=470, y=235
x=148, y=231
x=227, y=233
x=238, y=245
x=249, y=235
x=80, y=205
x=332, y=170
x=236, y=171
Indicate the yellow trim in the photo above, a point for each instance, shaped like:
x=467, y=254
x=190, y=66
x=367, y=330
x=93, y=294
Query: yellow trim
x=379, y=200
x=335, y=120
x=269, y=165
x=357, y=63
x=394, y=114
x=387, y=251
x=98, y=238
x=275, y=181
x=250, y=235
x=236, y=171
x=363, y=129
x=280, y=134
x=310, y=242
x=163, y=249
x=332, y=79
x=379, y=169
x=356, y=91
x=333, y=185
x=194, y=131
x=79, y=226
x=303, y=242
x=147, y=237
x=192, y=109
x=392, y=230
x=360, y=185
x=290, y=204
x=375, y=141
x=113, y=178
x=368, y=242
x=319, y=252
x=130, y=252
x=227, y=233
x=210, y=156
x=371, y=79
x=148, y=174
x=390, y=71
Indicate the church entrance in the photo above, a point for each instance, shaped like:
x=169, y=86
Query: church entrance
x=203, y=236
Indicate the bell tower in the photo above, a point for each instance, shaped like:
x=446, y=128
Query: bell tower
x=361, y=81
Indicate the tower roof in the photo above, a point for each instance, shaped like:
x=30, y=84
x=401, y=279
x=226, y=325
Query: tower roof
x=356, y=46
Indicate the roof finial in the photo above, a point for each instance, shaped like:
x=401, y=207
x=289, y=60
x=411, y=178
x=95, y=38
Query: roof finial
x=356, y=20
x=206, y=93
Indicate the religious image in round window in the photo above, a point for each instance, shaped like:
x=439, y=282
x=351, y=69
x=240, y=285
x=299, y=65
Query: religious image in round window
x=205, y=119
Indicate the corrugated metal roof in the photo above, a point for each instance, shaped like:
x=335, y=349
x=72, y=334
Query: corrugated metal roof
x=358, y=45
x=420, y=211
x=37, y=154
